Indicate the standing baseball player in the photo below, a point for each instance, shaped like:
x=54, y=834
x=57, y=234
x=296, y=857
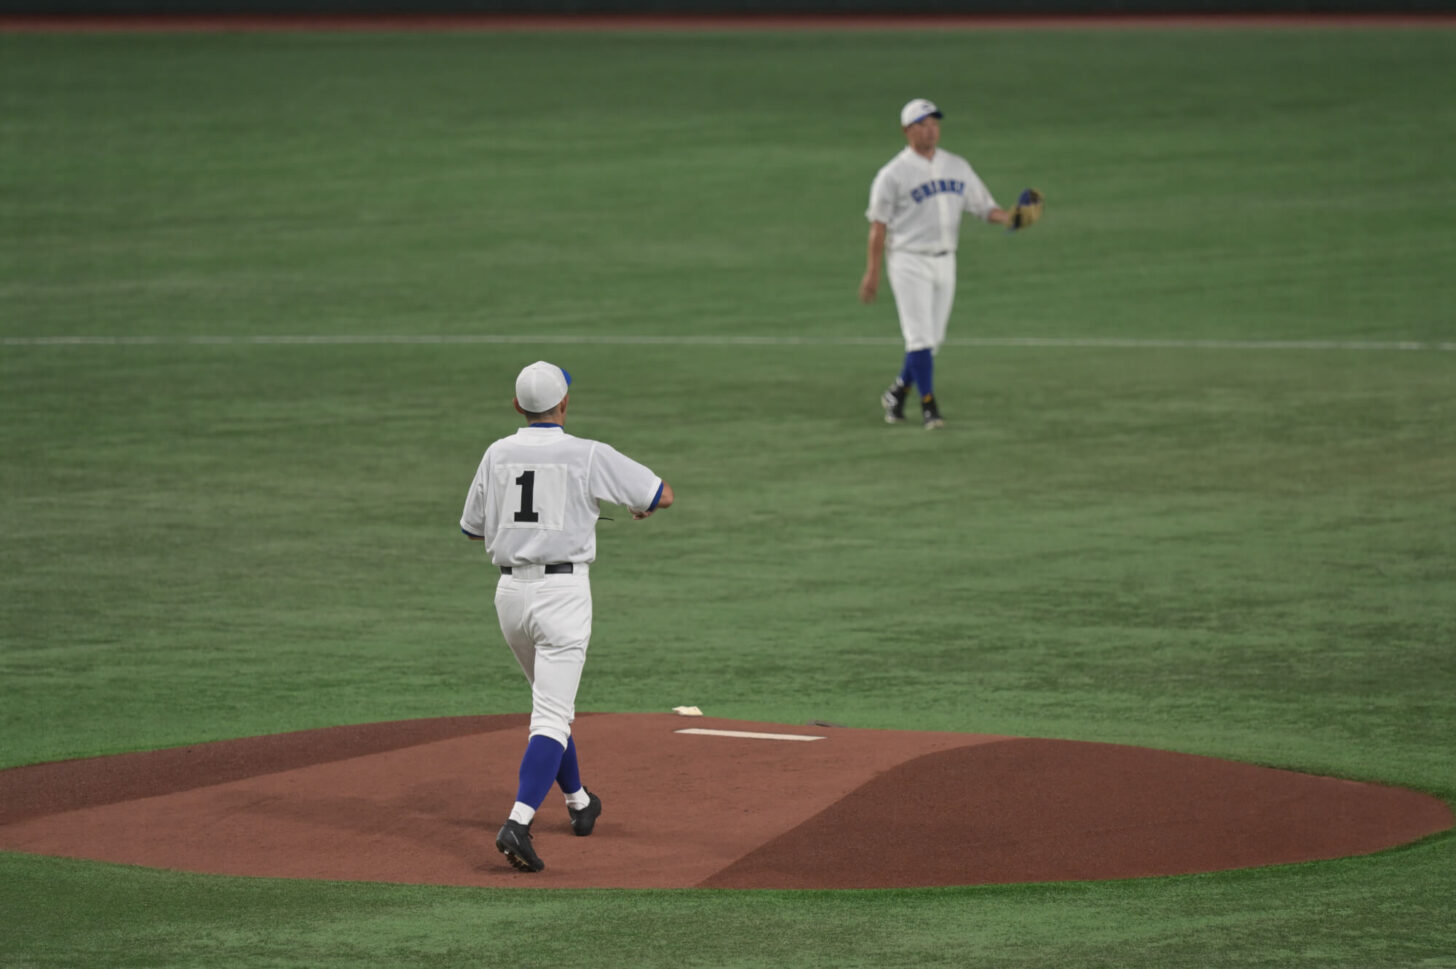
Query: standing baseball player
x=916, y=202
x=534, y=504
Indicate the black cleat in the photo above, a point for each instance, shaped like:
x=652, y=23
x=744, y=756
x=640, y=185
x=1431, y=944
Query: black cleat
x=893, y=401
x=514, y=841
x=931, y=413
x=584, y=820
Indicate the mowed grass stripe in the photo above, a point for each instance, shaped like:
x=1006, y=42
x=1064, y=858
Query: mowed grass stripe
x=622, y=339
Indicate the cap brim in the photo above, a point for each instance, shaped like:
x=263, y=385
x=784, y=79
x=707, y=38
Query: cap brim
x=930, y=114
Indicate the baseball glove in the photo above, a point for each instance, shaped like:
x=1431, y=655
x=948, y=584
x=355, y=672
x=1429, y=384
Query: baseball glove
x=1027, y=211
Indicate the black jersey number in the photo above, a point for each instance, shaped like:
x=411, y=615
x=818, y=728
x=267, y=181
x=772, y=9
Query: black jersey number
x=527, y=481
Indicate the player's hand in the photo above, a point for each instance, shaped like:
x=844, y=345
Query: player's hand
x=639, y=515
x=868, y=287
x=1027, y=211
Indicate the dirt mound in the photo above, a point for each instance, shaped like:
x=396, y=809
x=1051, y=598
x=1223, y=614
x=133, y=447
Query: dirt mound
x=731, y=805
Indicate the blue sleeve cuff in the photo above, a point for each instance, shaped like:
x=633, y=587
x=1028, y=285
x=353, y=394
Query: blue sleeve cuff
x=471, y=534
x=656, y=498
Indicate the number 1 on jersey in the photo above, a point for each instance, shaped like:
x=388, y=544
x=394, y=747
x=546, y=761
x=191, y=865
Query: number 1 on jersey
x=527, y=481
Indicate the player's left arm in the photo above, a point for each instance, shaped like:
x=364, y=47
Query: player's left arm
x=617, y=478
x=981, y=204
x=664, y=499
x=1025, y=214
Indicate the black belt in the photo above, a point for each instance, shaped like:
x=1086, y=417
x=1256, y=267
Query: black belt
x=943, y=252
x=556, y=568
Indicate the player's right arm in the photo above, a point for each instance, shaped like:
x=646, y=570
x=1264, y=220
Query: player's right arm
x=881, y=208
x=869, y=284
x=472, y=518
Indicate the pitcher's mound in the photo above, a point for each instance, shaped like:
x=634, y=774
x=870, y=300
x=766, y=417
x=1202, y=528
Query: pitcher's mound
x=728, y=805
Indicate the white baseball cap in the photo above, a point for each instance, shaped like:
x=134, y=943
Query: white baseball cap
x=540, y=387
x=918, y=110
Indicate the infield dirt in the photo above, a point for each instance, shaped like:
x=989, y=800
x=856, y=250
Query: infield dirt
x=420, y=801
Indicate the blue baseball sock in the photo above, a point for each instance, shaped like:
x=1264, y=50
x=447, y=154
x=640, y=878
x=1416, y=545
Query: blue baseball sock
x=568, y=777
x=539, y=767
x=907, y=372
x=922, y=364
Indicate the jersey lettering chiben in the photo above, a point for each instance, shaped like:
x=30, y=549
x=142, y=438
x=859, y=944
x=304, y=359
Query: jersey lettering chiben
x=535, y=495
x=921, y=200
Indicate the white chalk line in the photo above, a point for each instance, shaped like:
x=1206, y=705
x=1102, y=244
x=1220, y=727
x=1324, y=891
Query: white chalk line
x=746, y=734
x=363, y=339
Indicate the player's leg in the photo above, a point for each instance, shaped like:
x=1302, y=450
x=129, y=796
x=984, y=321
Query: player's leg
x=582, y=806
x=907, y=372
x=555, y=614
x=564, y=618
x=541, y=760
x=923, y=364
x=942, y=295
x=559, y=615
x=510, y=612
x=513, y=605
x=543, y=755
x=942, y=298
x=568, y=776
x=911, y=283
x=893, y=399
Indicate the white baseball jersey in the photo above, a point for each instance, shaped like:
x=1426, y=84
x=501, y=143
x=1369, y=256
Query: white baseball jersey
x=534, y=497
x=920, y=201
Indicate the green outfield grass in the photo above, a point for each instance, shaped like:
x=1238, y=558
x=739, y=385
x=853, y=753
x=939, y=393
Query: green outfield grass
x=1202, y=506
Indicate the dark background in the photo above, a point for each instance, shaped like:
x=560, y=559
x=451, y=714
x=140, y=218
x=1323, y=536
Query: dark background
x=716, y=7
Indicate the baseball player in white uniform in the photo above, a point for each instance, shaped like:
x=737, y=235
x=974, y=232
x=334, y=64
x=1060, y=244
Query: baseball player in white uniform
x=534, y=504
x=916, y=202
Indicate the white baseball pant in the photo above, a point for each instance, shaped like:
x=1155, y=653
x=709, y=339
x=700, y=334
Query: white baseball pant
x=924, y=288
x=546, y=621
